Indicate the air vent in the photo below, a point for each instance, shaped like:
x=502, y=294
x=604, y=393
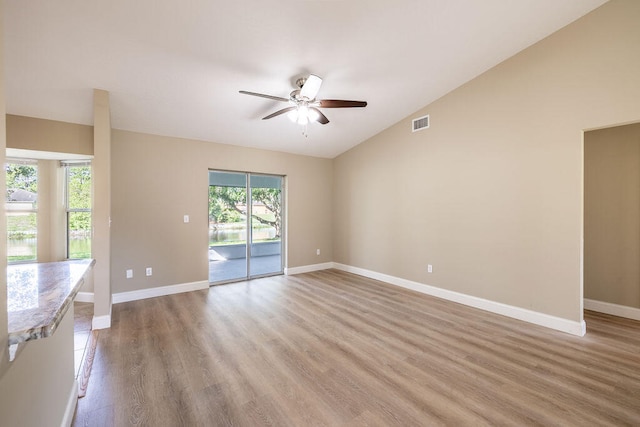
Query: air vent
x=420, y=123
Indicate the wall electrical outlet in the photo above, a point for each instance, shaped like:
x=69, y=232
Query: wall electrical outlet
x=317, y=251
x=148, y=271
x=186, y=219
x=129, y=274
x=429, y=268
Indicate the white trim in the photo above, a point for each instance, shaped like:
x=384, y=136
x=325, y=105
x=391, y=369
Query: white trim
x=101, y=322
x=85, y=297
x=553, y=322
x=613, y=309
x=104, y=322
x=159, y=291
x=308, y=268
x=67, y=419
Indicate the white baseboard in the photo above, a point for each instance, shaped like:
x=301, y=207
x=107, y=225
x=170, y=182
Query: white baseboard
x=84, y=297
x=553, y=322
x=308, y=268
x=613, y=309
x=101, y=322
x=71, y=405
x=104, y=322
x=159, y=291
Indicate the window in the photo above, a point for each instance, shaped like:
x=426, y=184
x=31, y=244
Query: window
x=21, y=209
x=78, y=204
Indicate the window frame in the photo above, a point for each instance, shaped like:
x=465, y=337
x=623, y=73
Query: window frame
x=67, y=165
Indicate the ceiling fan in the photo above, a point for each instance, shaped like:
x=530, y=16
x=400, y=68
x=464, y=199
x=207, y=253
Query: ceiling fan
x=304, y=105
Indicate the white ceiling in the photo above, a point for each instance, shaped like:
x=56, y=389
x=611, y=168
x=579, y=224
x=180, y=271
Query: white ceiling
x=175, y=67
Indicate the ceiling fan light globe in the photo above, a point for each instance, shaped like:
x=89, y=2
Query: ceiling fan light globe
x=303, y=115
x=313, y=115
x=302, y=119
x=293, y=116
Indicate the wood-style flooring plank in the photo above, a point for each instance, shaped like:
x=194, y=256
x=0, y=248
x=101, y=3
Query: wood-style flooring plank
x=331, y=348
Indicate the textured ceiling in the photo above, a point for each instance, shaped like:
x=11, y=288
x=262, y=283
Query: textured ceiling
x=175, y=67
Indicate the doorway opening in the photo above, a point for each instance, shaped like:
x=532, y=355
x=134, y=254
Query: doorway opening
x=611, y=220
x=245, y=226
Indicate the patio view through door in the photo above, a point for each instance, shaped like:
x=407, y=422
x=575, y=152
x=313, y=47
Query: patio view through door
x=245, y=226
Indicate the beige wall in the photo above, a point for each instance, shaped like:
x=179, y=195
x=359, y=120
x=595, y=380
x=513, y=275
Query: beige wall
x=491, y=193
x=28, y=133
x=4, y=352
x=157, y=180
x=612, y=215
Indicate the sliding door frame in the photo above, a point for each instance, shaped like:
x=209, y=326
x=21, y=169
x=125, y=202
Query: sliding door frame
x=249, y=224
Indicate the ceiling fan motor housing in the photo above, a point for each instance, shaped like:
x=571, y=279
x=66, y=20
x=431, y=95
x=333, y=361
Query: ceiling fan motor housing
x=300, y=82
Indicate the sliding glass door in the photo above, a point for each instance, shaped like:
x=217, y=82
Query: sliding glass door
x=245, y=226
x=266, y=225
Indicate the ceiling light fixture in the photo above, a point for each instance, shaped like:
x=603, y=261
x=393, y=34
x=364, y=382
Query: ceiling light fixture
x=302, y=114
x=304, y=107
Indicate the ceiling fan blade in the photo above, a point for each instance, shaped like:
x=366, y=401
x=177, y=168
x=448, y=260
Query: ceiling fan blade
x=277, y=113
x=311, y=87
x=339, y=103
x=321, y=118
x=262, y=95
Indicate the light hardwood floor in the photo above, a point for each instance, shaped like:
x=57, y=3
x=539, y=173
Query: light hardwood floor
x=331, y=348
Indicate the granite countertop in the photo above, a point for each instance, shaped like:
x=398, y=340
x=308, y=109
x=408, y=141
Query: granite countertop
x=39, y=295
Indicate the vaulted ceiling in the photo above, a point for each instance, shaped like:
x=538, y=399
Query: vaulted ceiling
x=175, y=67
